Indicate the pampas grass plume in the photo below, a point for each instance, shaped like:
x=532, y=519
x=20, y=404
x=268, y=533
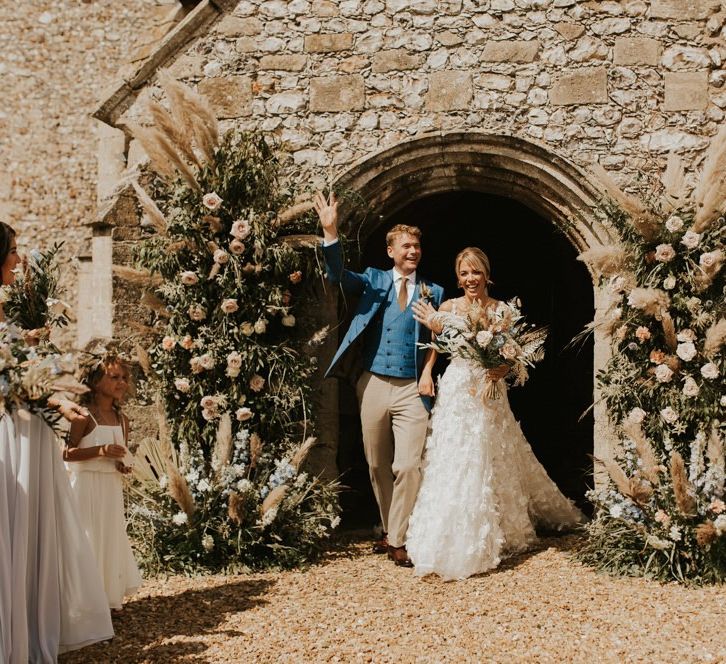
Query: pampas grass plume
x=652, y=301
x=681, y=487
x=274, y=498
x=605, y=260
x=223, y=444
x=715, y=338
x=137, y=277
x=155, y=215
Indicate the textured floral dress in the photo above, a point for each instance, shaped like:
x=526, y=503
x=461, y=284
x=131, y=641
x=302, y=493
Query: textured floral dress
x=483, y=490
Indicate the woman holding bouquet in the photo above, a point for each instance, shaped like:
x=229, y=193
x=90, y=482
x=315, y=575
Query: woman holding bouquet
x=51, y=595
x=483, y=490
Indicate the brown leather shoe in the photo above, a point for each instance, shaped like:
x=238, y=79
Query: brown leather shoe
x=399, y=556
x=381, y=545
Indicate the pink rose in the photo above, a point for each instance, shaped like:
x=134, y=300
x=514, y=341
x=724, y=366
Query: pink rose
x=508, y=351
x=237, y=247
x=690, y=239
x=229, y=306
x=208, y=401
x=642, y=333
x=243, y=414
x=709, y=258
x=710, y=371
x=296, y=277
x=196, y=365
x=211, y=201
x=187, y=343
x=221, y=256
x=240, y=229
x=189, y=278
x=197, y=312
x=664, y=253
x=167, y=343
x=234, y=360
x=687, y=335
x=182, y=384
x=257, y=382
x=663, y=373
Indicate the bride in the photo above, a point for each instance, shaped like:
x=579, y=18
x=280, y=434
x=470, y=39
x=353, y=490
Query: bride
x=483, y=490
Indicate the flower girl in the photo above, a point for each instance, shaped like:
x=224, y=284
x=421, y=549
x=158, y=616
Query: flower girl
x=97, y=457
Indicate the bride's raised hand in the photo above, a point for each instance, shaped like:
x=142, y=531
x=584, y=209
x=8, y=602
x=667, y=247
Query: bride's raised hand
x=423, y=312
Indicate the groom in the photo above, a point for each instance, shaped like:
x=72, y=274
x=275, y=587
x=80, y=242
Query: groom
x=394, y=404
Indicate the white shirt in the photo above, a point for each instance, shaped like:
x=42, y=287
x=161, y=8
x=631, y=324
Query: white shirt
x=411, y=285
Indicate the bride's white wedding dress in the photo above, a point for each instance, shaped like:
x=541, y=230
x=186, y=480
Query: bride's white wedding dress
x=483, y=490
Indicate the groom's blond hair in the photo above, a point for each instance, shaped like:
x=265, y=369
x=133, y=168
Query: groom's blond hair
x=402, y=229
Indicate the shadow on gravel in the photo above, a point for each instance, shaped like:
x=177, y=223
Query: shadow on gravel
x=147, y=620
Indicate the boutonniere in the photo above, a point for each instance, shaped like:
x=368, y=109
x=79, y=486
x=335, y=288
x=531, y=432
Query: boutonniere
x=424, y=291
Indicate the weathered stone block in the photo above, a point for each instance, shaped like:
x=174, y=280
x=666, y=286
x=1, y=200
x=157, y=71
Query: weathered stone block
x=449, y=91
x=283, y=62
x=686, y=91
x=337, y=93
x=683, y=9
x=569, y=30
x=637, y=51
x=352, y=64
x=495, y=81
x=448, y=38
x=234, y=26
x=581, y=86
x=328, y=43
x=398, y=59
x=324, y=8
x=510, y=50
x=230, y=96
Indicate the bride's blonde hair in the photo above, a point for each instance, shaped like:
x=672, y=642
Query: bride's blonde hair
x=476, y=258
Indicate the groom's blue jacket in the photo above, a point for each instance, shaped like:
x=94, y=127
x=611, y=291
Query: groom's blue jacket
x=373, y=286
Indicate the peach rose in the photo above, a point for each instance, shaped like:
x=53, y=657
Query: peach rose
x=296, y=277
x=211, y=201
x=257, y=382
x=167, y=343
x=229, y=306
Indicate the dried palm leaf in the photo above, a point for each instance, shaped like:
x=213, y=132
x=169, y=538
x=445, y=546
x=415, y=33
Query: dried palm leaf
x=651, y=301
x=706, y=533
x=144, y=360
x=137, y=277
x=641, y=218
x=709, y=203
x=606, y=261
x=274, y=498
x=715, y=338
x=644, y=450
x=235, y=508
x=298, y=459
x=154, y=214
x=682, y=489
x=223, y=444
x=175, y=132
x=669, y=330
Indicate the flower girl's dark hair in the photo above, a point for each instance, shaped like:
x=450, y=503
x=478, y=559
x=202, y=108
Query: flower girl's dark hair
x=7, y=233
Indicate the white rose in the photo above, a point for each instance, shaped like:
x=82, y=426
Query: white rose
x=723, y=401
x=229, y=306
x=664, y=253
x=708, y=259
x=674, y=224
x=669, y=415
x=669, y=283
x=686, y=351
x=240, y=229
x=690, y=239
x=261, y=326
x=243, y=414
x=636, y=416
x=211, y=201
x=686, y=335
x=720, y=524
x=182, y=384
x=207, y=361
x=196, y=365
x=189, y=278
x=288, y=321
x=232, y=372
x=709, y=371
x=483, y=337
x=234, y=360
x=663, y=373
x=197, y=312
x=221, y=256
x=690, y=387
x=508, y=351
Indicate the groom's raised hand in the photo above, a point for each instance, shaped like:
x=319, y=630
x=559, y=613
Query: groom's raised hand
x=327, y=210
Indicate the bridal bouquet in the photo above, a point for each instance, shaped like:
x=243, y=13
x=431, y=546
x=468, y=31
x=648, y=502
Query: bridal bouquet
x=491, y=337
x=31, y=375
x=32, y=301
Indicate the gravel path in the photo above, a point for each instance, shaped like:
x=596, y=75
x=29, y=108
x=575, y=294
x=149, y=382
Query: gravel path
x=357, y=607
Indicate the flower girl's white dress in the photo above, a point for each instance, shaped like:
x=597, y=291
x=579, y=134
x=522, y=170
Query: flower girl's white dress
x=99, y=490
x=51, y=596
x=482, y=490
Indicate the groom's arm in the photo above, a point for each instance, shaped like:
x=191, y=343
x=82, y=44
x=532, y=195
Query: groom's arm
x=352, y=282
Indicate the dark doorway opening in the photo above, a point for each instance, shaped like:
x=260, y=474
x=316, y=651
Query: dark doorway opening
x=530, y=259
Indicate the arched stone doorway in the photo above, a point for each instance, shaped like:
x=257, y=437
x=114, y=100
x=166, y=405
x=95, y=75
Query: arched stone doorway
x=530, y=209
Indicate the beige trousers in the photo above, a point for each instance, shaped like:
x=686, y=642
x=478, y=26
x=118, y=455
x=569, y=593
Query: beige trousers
x=394, y=423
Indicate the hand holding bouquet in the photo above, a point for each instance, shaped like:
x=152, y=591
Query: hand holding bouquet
x=491, y=337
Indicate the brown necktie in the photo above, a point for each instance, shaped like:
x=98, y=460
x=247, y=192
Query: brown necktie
x=403, y=294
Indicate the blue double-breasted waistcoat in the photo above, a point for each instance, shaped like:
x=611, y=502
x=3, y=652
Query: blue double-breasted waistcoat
x=373, y=286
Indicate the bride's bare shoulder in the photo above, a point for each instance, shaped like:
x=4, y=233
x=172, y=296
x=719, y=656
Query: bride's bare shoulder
x=447, y=306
